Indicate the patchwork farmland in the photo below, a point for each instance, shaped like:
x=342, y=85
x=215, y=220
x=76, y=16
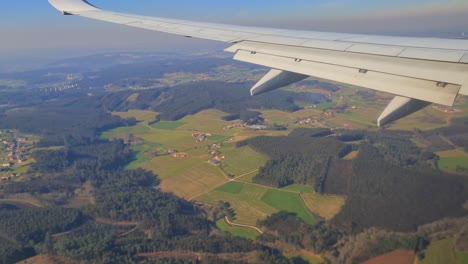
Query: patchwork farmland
x=194, y=177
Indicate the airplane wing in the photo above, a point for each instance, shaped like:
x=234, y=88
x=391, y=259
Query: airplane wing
x=419, y=71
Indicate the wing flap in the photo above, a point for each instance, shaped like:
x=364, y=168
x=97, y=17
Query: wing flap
x=454, y=73
x=375, y=49
x=433, y=55
x=421, y=89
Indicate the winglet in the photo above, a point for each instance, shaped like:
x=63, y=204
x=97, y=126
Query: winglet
x=69, y=7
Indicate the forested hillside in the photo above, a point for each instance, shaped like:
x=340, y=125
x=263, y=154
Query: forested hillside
x=300, y=159
x=390, y=192
x=390, y=177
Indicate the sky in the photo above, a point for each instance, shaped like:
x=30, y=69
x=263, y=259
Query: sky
x=34, y=29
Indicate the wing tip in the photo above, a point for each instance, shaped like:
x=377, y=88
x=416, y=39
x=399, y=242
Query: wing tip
x=68, y=7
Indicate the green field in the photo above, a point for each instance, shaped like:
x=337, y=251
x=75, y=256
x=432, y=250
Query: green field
x=451, y=159
x=252, y=202
x=325, y=106
x=231, y=187
x=124, y=132
x=142, y=155
x=22, y=169
x=450, y=164
x=310, y=257
x=166, y=125
x=237, y=231
x=219, y=138
x=443, y=251
x=291, y=202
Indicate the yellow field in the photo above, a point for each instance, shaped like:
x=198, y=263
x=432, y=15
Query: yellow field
x=248, y=177
x=208, y=121
x=455, y=153
x=351, y=156
x=185, y=177
x=133, y=97
x=241, y=160
x=323, y=205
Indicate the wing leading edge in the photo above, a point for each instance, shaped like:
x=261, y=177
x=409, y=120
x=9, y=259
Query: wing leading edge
x=419, y=71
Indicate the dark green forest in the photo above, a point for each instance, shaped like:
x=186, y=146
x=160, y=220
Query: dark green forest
x=300, y=159
x=390, y=177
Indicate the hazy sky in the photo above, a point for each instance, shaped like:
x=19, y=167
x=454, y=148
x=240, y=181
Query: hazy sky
x=34, y=27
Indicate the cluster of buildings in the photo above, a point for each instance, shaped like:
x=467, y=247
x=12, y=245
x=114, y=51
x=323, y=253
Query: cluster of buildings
x=10, y=149
x=13, y=151
x=217, y=156
x=235, y=125
x=10, y=177
x=200, y=136
x=177, y=154
x=308, y=121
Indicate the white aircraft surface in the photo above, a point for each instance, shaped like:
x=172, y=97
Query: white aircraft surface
x=418, y=71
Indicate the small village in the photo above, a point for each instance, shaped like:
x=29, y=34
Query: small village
x=214, y=151
x=235, y=125
x=13, y=152
x=316, y=119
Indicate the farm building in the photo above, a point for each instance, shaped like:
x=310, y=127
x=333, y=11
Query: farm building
x=180, y=155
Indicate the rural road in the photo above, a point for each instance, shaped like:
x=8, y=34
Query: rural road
x=239, y=225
